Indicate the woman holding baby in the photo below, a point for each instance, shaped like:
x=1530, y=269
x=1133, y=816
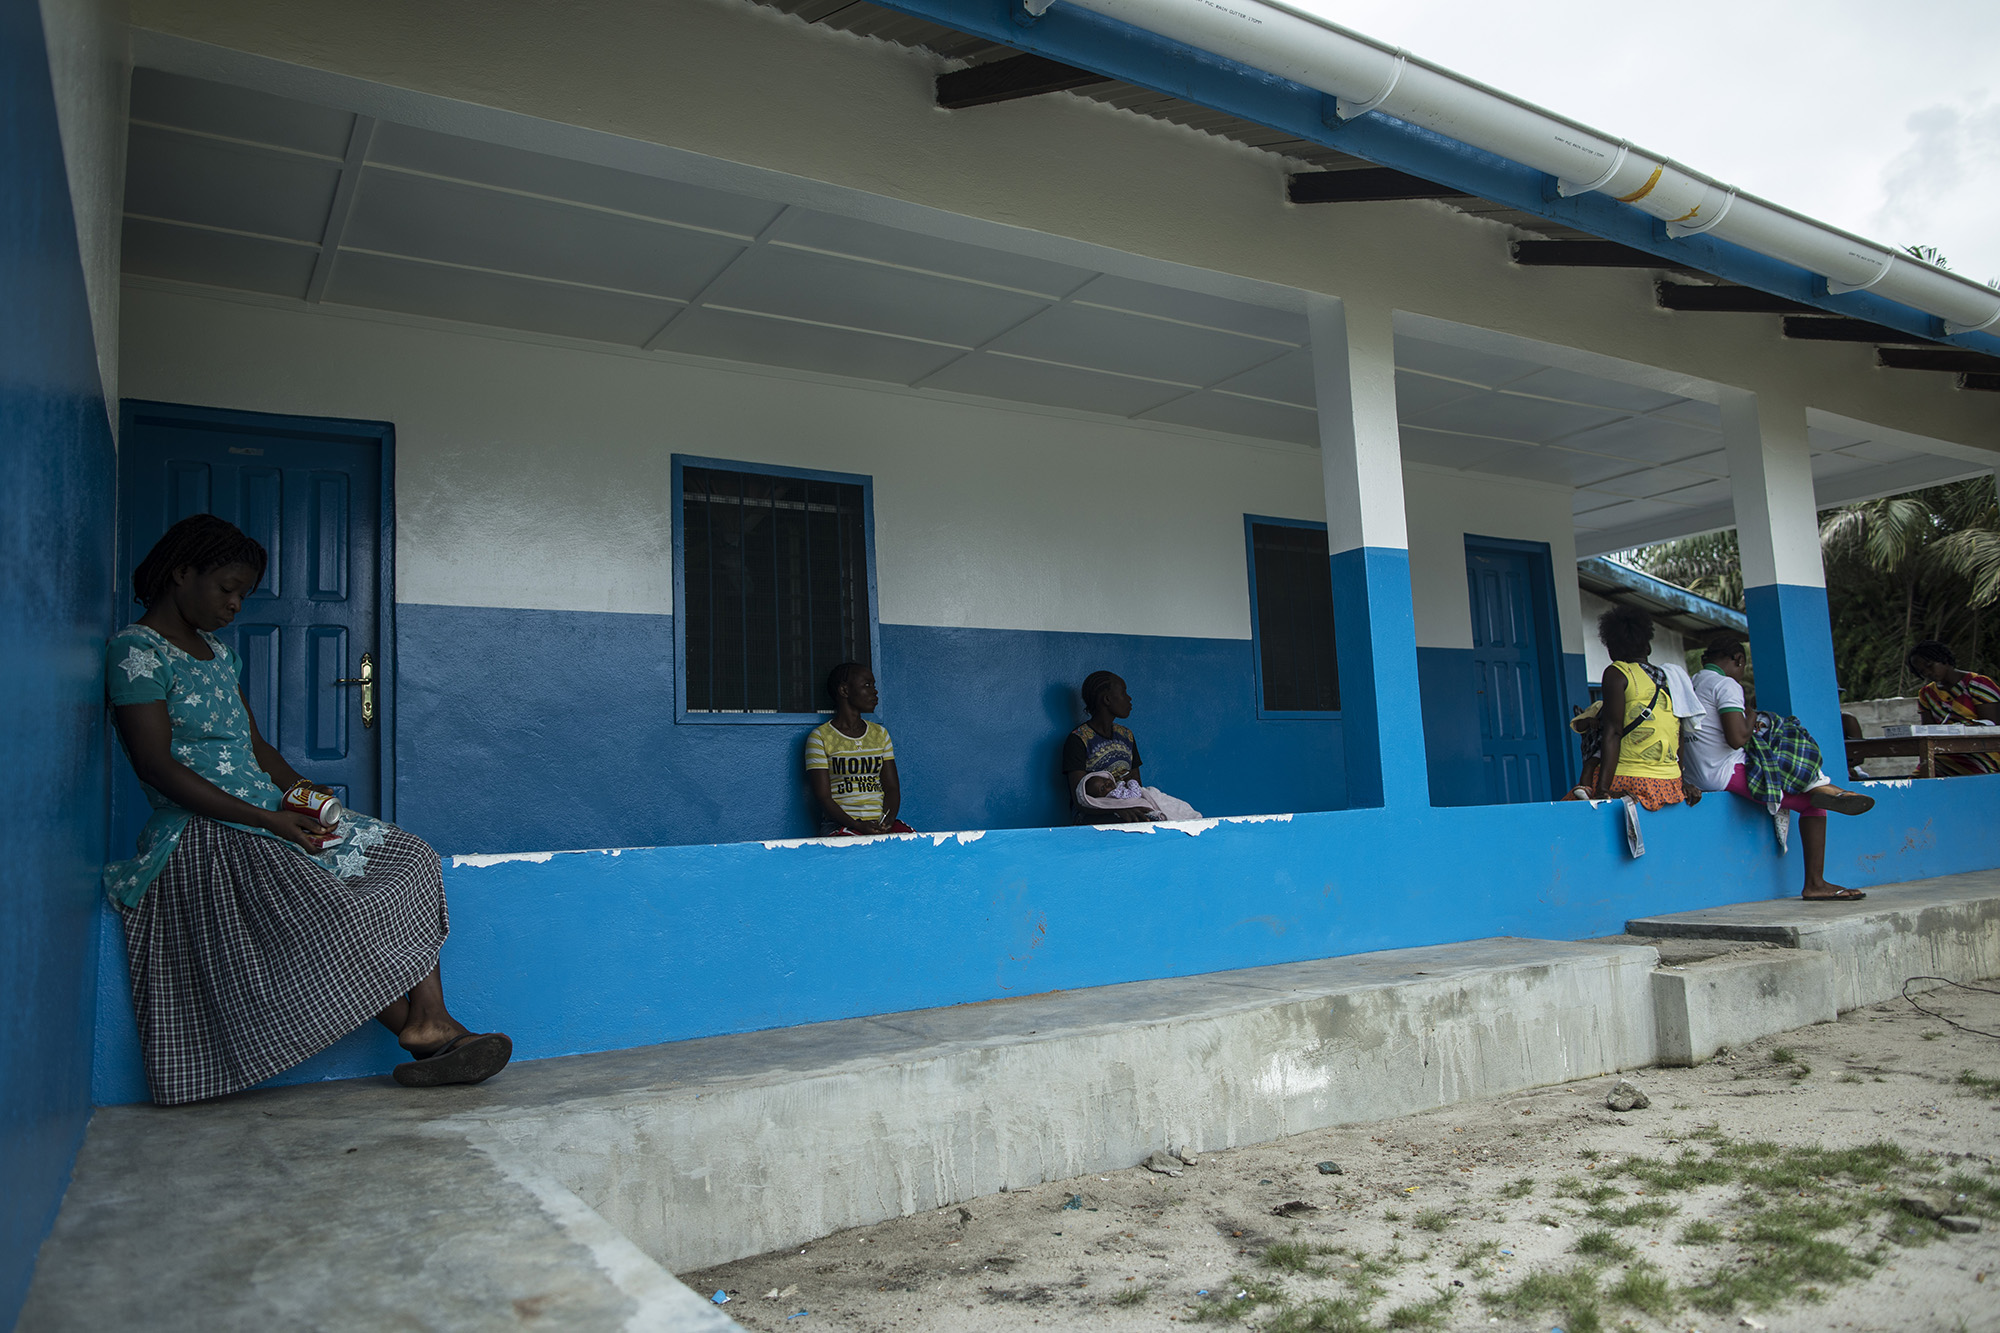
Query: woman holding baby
x=1100, y=763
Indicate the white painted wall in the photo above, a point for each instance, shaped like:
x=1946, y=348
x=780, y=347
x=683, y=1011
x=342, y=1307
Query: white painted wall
x=1444, y=507
x=534, y=474
x=91, y=68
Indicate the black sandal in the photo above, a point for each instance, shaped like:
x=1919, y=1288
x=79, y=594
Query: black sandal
x=471, y=1057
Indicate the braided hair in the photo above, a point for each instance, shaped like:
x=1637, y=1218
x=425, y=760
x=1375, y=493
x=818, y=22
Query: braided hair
x=1095, y=686
x=840, y=676
x=1930, y=650
x=201, y=542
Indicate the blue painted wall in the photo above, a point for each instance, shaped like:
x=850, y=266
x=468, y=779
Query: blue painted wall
x=55, y=593
x=526, y=730
x=599, y=951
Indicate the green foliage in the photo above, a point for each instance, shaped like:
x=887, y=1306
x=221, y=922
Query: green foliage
x=1222, y=1306
x=1431, y=1219
x=1643, y=1289
x=1708, y=565
x=1132, y=1296
x=1295, y=1256
x=1601, y=1244
x=1520, y=1189
x=1323, y=1316
x=1701, y=1233
x=1421, y=1314
x=1574, y=1294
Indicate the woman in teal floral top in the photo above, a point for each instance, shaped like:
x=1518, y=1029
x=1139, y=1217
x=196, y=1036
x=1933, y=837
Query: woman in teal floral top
x=257, y=935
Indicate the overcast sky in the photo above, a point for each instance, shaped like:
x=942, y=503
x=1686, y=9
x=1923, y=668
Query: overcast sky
x=1878, y=117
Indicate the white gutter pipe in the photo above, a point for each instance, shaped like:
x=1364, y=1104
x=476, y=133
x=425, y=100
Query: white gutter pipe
x=1364, y=75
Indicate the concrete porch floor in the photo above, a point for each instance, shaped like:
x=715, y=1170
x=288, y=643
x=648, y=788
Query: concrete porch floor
x=564, y=1193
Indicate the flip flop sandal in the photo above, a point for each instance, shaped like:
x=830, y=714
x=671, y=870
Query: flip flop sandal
x=1841, y=802
x=1844, y=896
x=471, y=1058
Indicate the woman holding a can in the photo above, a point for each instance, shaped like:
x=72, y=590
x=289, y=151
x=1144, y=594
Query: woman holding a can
x=257, y=934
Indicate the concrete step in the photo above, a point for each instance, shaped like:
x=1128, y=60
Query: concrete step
x=1944, y=927
x=568, y=1189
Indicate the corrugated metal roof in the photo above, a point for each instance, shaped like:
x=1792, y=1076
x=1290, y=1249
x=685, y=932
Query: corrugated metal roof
x=867, y=20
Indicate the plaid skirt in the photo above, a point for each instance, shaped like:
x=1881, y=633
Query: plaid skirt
x=247, y=957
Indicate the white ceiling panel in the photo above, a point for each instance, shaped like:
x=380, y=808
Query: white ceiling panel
x=1213, y=312
x=238, y=113
x=1821, y=438
x=1417, y=392
x=1589, y=501
x=780, y=342
x=1838, y=465
x=1653, y=481
x=218, y=258
x=186, y=178
x=1289, y=379
x=1712, y=464
x=1510, y=418
x=424, y=218
x=1459, y=364
x=560, y=178
x=1572, y=387
x=1241, y=416
x=1631, y=511
x=1714, y=491
x=1875, y=451
x=1453, y=451
x=1134, y=345
x=886, y=245
x=801, y=284
x=1694, y=412
x=1647, y=440
x=386, y=283
x=992, y=376
x=1562, y=467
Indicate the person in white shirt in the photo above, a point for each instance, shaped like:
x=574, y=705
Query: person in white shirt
x=1713, y=760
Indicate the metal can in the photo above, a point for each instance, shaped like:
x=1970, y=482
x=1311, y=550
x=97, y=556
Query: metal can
x=315, y=801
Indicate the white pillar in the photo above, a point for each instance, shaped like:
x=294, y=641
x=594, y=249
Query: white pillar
x=1361, y=464
x=1784, y=581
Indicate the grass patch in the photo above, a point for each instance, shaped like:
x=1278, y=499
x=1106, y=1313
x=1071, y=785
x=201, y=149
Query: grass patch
x=1421, y=1314
x=1649, y=1210
x=1985, y=1087
x=1472, y=1256
x=1783, y=1055
x=1431, y=1219
x=1549, y=1220
x=1322, y=1316
x=1295, y=1256
x=1568, y=1187
x=1981, y=1196
x=1851, y=1077
x=1132, y=1296
x=1686, y=1172
x=1525, y=1186
x=1221, y=1305
x=1574, y=1294
x=1930, y=1036
x=1643, y=1289
x=1601, y=1244
x=1701, y=1233
x=1391, y=1215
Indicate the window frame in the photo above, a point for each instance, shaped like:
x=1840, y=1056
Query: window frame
x=1250, y=523
x=680, y=463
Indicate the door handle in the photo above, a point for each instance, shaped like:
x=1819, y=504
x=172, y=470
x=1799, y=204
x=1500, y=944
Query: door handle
x=366, y=680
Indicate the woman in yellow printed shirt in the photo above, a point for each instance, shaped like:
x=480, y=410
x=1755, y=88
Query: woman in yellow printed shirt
x=1641, y=734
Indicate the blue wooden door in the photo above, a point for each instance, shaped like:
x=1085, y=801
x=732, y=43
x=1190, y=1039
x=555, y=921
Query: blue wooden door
x=311, y=492
x=1511, y=670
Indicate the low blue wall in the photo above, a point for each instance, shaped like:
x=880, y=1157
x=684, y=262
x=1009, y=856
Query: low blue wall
x=522, y=730
x=55, y=606
x=598, y=951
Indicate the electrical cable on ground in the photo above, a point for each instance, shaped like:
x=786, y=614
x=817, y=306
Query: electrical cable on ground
x=1983, y=990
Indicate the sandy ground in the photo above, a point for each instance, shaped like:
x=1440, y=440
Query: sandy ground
x=1466, y=1202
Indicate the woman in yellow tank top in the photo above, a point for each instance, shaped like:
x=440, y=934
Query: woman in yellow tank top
x=1641, y=734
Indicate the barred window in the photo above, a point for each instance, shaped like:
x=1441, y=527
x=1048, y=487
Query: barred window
x=775, y=588
x=1291, y=585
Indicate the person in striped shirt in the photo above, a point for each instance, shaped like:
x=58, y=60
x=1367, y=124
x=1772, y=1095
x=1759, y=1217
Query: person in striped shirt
x=851, y=762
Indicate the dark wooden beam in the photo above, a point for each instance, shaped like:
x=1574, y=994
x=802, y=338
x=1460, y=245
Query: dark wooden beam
x=1727, y=300
x=1005, y=80
x=1587, y=254
x=1364, y=185
x=1989, y=383
x=1837, y=329
x=1949, y=359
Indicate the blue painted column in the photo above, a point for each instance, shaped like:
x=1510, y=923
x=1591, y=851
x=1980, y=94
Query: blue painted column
x=1361, y=462
x=1784, y=581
